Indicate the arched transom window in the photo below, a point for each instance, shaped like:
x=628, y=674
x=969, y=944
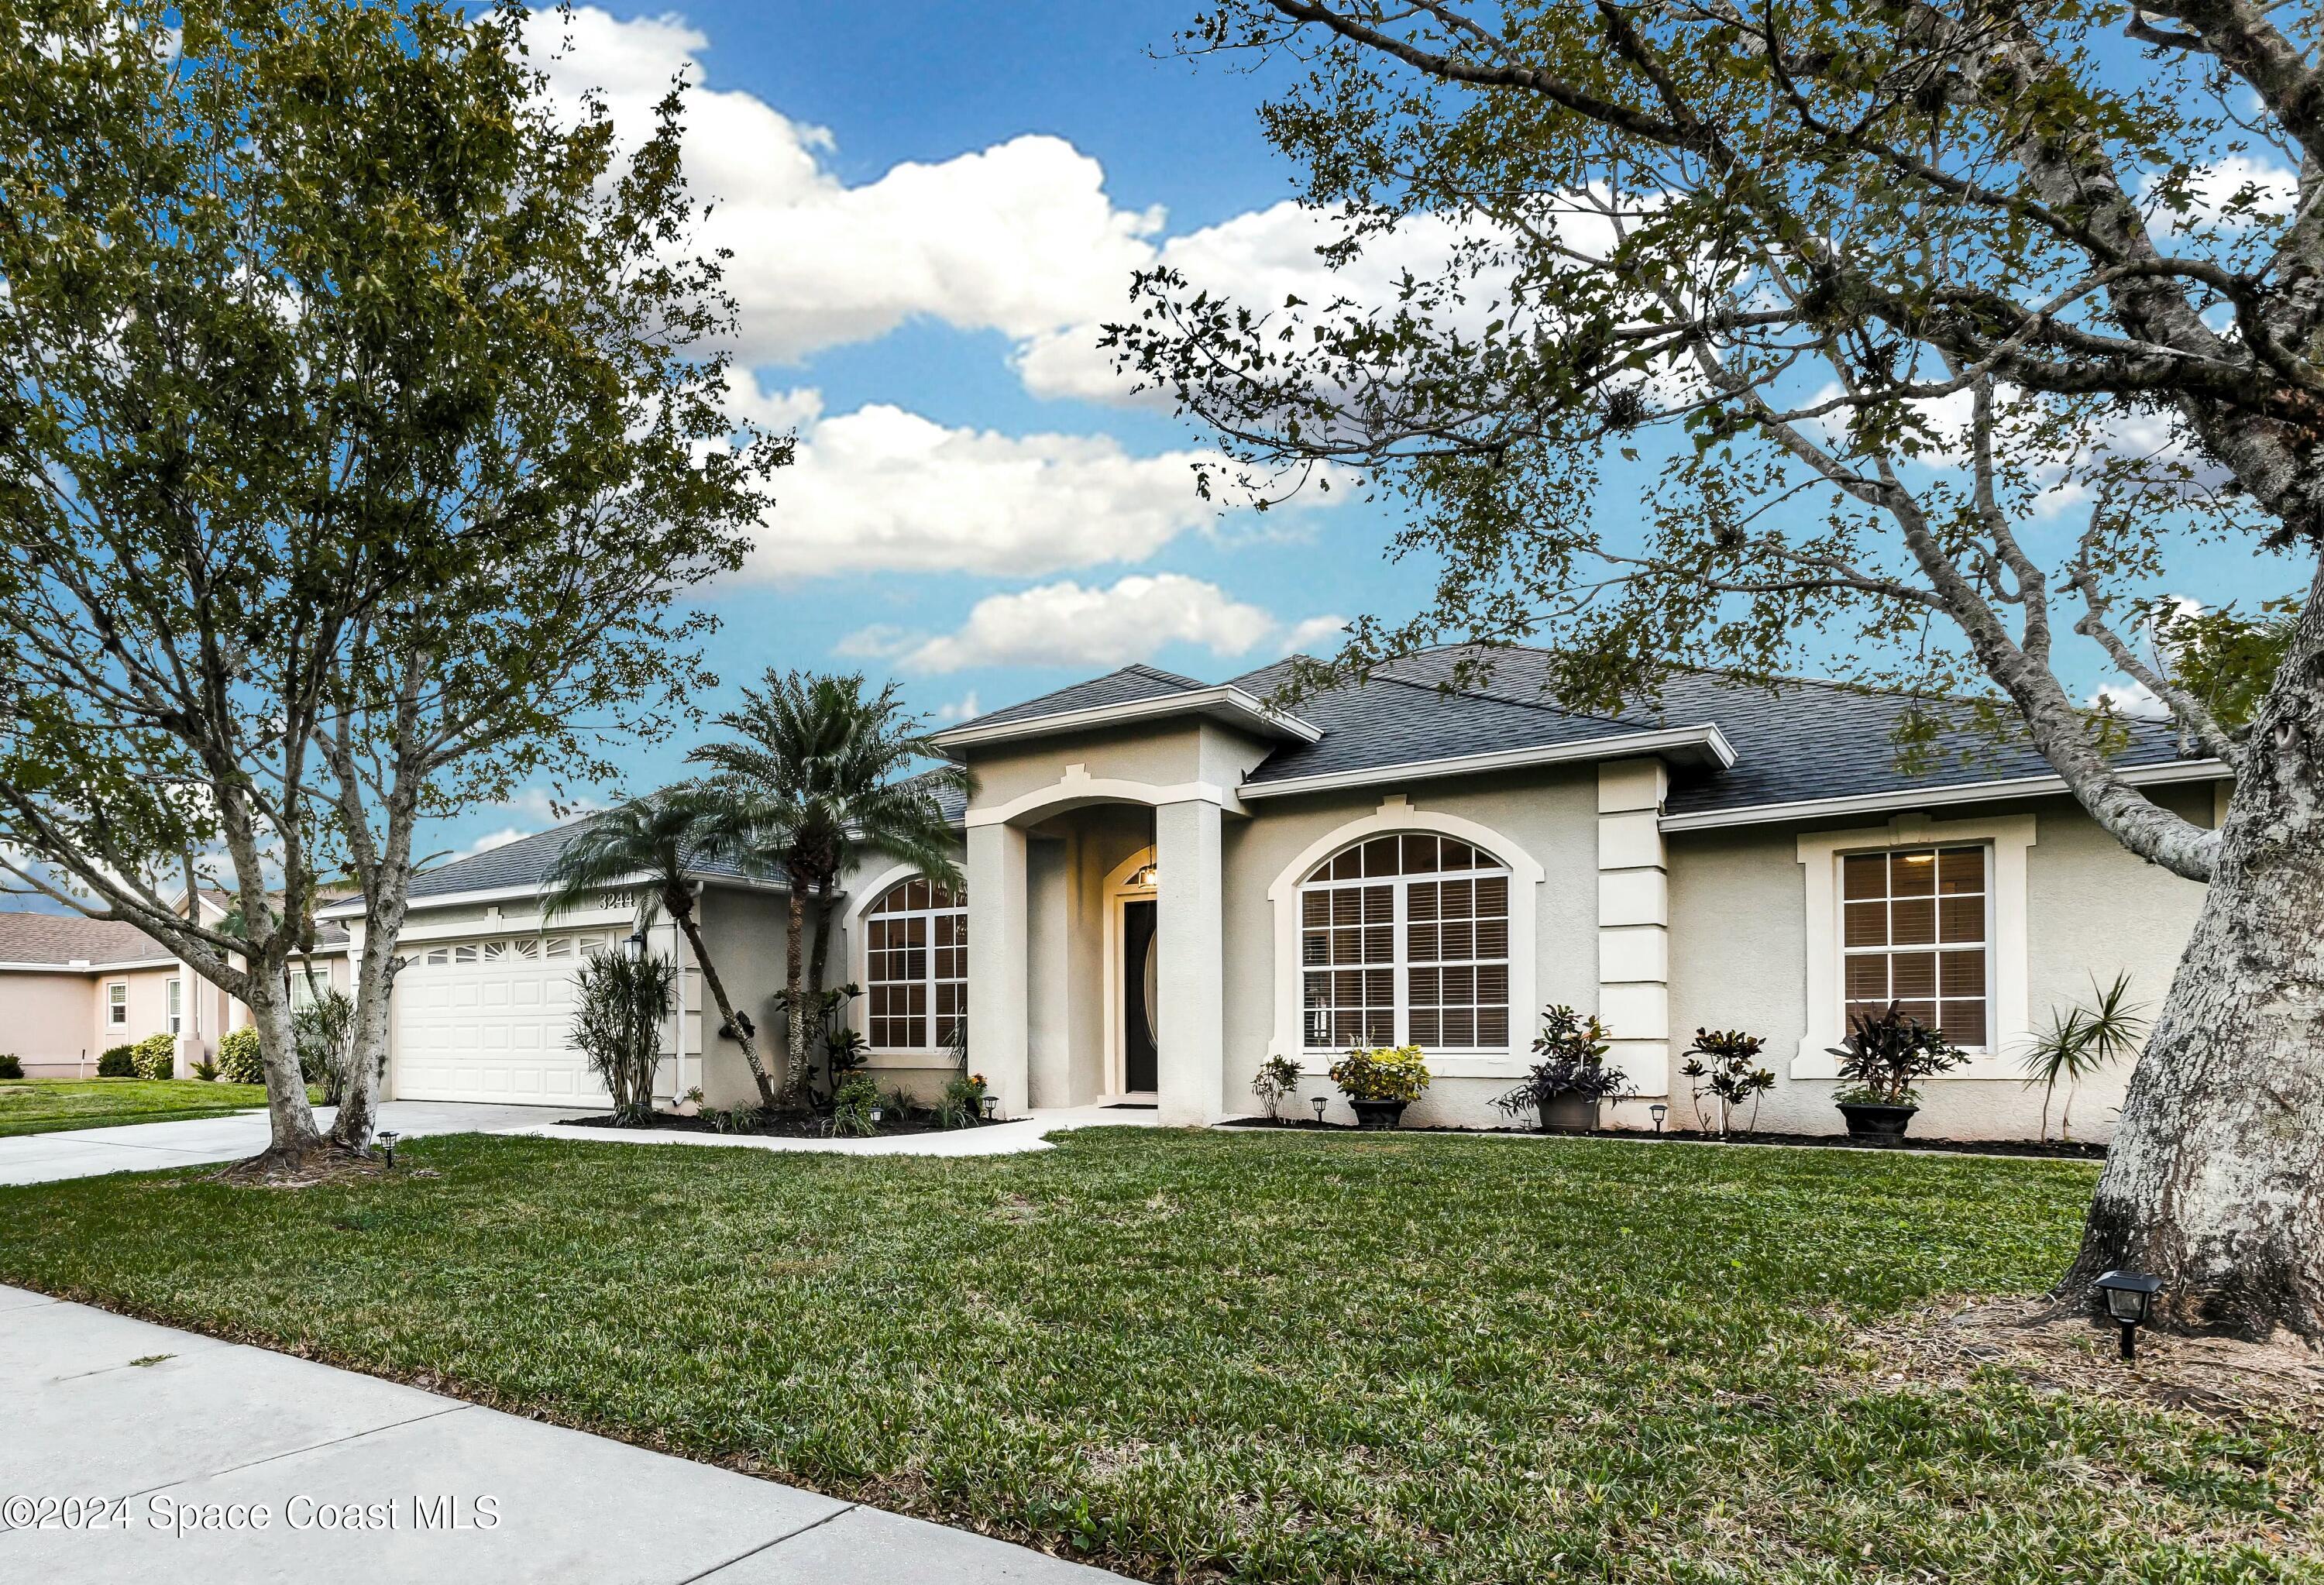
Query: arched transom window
x=1405, y=940
x=916, y=965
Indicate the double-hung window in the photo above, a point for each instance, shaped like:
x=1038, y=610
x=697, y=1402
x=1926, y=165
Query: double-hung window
x=116, y=1005
x=1916, y=929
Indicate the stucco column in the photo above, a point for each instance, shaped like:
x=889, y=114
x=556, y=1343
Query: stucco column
x=1634, y=920
x=1190, y=916
x=997, y=1035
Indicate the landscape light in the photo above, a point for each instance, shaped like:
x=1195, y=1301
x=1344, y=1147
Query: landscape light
x=2129, y=1295
x=1659, y=1111
x=991, y=1107
x=1321, y=1102
x=387, y=1139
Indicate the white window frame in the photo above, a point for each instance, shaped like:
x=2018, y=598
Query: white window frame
x=859, y=954
x=1397, y=813
x=1891, y=949
x=116, y=1004
x=1399, y=963
x=2006, y=838
x=174, y=1005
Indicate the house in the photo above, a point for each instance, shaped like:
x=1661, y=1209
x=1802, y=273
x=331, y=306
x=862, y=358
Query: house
x=1169, y=880
x=71, y=988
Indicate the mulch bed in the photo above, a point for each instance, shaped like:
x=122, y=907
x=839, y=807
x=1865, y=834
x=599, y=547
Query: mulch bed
x=2279, y=1381
x=779, y=1127
x=2072, y=1151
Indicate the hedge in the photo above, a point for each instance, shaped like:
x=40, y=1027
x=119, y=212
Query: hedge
x=156, y=1056
x=119, y=1062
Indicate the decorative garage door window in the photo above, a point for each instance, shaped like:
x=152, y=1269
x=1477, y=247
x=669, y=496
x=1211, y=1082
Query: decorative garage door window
x=1405, y=940
x=511, y=951
x=916, y=965
x=1912, y=930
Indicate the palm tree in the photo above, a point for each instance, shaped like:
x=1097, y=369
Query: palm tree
x=829, y=771
x=2078, y=1042
x=660, y=838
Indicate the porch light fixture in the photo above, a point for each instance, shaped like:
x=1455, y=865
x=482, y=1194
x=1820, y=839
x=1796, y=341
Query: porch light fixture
x=1658, y=1111
x=387, y=1139
x=637, y=945
x=1320, y=1102
x=1150, y=875
x=2129, y=1295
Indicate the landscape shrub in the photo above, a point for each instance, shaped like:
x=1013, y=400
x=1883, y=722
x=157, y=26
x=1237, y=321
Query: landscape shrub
x=619, y=1010
x=1278, y=1082
x=119, y=1062
x=852, y=1104
x=156, y=1056
x=238, y=1061
x=962, y=1105
x=1386, y=1072
x=10, y=1067
x=324, y=1031
x=206, y=1071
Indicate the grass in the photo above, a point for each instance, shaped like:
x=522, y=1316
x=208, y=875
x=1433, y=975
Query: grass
x=1287, y=1358
x=43, y=1106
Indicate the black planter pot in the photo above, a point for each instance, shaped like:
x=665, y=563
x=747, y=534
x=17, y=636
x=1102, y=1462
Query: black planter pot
x=1869, y=1121
x=1378, y=1114
x=1568, y=1114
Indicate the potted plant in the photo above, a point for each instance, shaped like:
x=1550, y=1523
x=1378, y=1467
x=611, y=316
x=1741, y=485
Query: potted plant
x=1881, y=1059
x=1566, y=1088
x=1730, y=1075
x=1380, y=1082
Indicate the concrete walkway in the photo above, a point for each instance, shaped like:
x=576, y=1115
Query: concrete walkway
x=87, y=1153
x=165, y=1448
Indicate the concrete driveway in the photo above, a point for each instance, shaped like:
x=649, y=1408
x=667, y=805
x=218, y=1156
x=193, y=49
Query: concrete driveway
x=86, y=1152
x=168, y=1456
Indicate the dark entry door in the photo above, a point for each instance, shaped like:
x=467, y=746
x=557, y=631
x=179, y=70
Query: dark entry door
x=1139, y=1065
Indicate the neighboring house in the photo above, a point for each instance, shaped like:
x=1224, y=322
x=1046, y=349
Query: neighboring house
x=72, y=987
x=1169, y=880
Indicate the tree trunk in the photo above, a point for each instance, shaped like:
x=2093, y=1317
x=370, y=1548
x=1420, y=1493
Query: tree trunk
x=358, y=1113
x=795, y=1054
x=2215, y=1182
x=294, y=1136
x=693, y=929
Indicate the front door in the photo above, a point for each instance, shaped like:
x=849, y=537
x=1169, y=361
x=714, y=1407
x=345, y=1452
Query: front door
x=1140, y=1067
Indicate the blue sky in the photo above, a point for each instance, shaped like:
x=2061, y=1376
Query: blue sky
x=932, y=204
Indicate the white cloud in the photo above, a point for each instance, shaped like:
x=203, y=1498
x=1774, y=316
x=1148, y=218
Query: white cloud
x=965, y=708
x=1019, y=237
x=494, y=839
x=1065, y=624
x=2267, y=190
x=544, y=807
x=1327, y=632
x=880, y=489
x=1258, y=259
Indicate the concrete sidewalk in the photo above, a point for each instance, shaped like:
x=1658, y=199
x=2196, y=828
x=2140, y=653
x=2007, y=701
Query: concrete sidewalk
x=176, y=1457
x=87, y=1153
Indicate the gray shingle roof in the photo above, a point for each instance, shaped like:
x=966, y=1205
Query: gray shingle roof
x=1130, y=683
x=1804, y=740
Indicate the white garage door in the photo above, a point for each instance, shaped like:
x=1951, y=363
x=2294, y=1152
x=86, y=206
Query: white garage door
x=487, y=1020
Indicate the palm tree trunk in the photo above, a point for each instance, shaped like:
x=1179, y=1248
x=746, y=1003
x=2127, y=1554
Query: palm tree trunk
x=795, y=1008
x=693, y=929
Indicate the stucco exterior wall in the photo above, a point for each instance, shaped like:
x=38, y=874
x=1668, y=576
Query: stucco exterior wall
x=1549, y=816
x=1738, y=945
x=49, y=1023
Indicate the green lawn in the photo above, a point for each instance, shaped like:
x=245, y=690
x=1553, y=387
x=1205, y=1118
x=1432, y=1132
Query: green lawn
x=42, y=1106
x=1290, y=1358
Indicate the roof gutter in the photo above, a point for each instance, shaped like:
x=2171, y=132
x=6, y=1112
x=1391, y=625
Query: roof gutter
x=1224, y=700
x=1966, y=792
x=1705, y=743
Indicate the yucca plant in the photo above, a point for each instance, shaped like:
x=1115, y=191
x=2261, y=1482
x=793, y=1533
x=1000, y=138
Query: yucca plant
x=2078, y=1042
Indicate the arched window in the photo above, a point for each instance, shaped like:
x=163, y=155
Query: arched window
x=1405, y=940
x=916, y=965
